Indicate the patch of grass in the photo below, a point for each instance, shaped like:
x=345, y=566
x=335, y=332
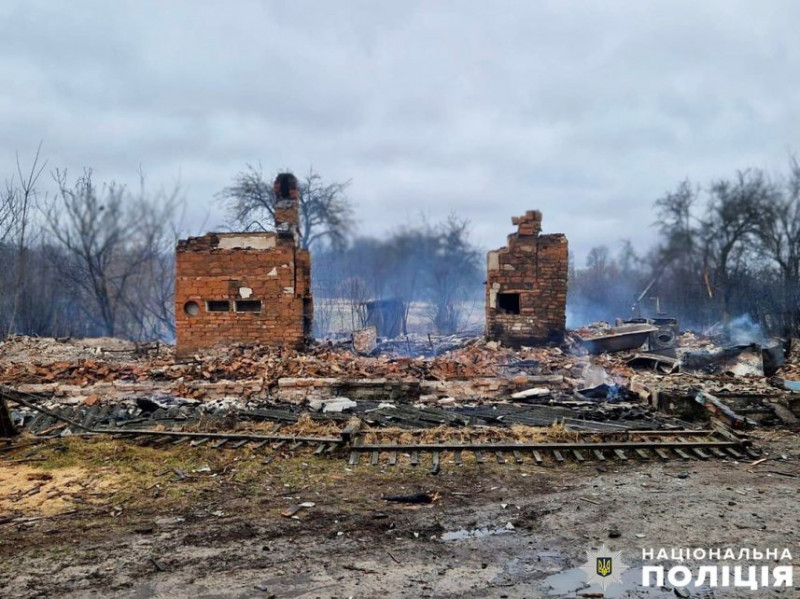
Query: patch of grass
x=175, y=478
x=144, y=481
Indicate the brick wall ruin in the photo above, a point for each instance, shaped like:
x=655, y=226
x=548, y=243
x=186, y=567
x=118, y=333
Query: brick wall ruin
x=252, y=288
x=526, y=286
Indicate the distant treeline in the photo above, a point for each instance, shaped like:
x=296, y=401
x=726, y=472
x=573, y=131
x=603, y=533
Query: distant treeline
x=435, y=264
x=98, y=259
x=91, y=260
x=725, y=250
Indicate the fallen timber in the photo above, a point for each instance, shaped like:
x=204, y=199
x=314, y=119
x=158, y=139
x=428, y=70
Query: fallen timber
x=541, y=446
x=231, y=436
x=664, y=445
x=144, y=436
x=322, y=445
x=685, y=444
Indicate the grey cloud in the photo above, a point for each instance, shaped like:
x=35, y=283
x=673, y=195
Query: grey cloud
x=586, y=110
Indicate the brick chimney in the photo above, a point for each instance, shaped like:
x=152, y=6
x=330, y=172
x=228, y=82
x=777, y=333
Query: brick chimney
x=526, y=285
x=528, y=224
x=287, y=206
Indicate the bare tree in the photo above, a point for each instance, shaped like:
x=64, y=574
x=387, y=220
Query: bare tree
x=779, y=233
x=114, y=245
x=355, y=292
x=8, y=255
x=326, y=214
x=8, y=210
x=680, y=230
x=325, y=211
x=21, y=199
x=90, y=224
x=454, y=268
x=150, y=303
x=709, y=241
x=729, y=226
x=18, y=198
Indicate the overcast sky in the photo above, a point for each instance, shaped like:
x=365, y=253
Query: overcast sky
x=587, y=111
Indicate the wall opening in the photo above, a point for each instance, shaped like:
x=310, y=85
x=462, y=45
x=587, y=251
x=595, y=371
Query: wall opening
x=191, y=308
x=248, y=305
x=508, y=303
x=308, y=317
x=218, y=306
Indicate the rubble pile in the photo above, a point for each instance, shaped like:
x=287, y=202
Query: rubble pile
x=171, y=413
x=44, y=351
x=238, y=362
x=555, y=383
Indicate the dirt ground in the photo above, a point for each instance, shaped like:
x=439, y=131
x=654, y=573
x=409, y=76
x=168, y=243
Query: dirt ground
x=111, y=519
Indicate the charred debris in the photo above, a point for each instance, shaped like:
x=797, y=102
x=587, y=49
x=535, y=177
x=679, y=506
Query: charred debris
x=246, y=372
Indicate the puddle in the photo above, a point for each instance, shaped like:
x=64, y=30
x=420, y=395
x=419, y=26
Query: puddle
x=572, y=581
x=549, y=562
x=475, y=533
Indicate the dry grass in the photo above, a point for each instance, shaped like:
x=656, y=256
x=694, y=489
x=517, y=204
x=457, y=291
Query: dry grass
x=99, y=474
x=305, y=426
x=517, y=434
x=28, y=489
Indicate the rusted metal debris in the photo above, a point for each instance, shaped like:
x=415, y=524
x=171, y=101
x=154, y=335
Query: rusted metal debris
x=655, y=362
x=621, y=338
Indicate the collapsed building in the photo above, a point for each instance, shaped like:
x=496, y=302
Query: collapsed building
x=526, y=286
x=251, y=288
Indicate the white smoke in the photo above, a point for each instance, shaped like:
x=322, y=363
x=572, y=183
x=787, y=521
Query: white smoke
x=743, y=330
